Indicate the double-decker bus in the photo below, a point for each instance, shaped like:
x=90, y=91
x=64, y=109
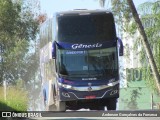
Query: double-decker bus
x=79, y=52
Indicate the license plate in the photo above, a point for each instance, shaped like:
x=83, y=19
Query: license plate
x=90, y=97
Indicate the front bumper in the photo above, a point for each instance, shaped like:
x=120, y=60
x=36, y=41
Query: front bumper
x=93, y=92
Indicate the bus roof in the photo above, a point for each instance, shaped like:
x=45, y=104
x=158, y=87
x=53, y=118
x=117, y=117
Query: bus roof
x=82, y=12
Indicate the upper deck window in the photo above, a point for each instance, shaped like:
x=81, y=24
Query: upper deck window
x=86, y=28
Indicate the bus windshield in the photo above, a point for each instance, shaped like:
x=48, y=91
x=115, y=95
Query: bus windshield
x=101, y=63
x=90, y=28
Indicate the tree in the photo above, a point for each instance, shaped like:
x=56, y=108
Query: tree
x=122, y=10
x=150, y=15
x=19, y=28
x=145, y=44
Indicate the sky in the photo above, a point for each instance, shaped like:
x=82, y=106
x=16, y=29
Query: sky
x=52, y=6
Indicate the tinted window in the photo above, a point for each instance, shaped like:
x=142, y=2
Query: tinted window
x=86, y=28
x=90, y=63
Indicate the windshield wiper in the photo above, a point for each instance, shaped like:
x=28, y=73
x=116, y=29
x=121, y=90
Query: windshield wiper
x=95, y=75
x=86, y=75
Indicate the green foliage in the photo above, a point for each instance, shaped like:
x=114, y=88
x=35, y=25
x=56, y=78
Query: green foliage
x=132, y=104
x=14, y=102
x=132, y=28
x=18, y=47
x=150, y=16
x=18, y=28
x=122, y=13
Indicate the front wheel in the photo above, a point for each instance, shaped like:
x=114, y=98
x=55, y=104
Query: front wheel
x=111, y=104
x=97, y=108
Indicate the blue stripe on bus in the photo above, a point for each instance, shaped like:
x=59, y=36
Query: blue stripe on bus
x=84, y=46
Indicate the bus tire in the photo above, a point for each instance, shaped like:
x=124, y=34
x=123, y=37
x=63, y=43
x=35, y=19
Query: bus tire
x=111, y=104
x=101, y=108
x=97, y=108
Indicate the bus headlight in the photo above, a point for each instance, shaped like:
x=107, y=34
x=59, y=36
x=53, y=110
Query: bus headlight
x=65, y=85
x=113, y=83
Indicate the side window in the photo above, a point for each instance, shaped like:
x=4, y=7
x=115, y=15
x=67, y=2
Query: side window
x=54, y=28
x=109, y=58
x=58, y=59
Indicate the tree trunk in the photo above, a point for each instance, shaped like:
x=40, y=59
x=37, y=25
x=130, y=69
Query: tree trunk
x=145, y=44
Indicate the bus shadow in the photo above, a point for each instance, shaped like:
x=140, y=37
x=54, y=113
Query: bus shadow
x=5, y=108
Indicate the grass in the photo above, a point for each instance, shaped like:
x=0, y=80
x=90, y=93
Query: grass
x=16, y=99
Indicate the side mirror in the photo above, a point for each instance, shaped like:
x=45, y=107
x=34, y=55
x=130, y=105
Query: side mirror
x=120, y=47
x=54, y=50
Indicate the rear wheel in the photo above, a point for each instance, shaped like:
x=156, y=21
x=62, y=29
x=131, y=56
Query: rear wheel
x=111, y=104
